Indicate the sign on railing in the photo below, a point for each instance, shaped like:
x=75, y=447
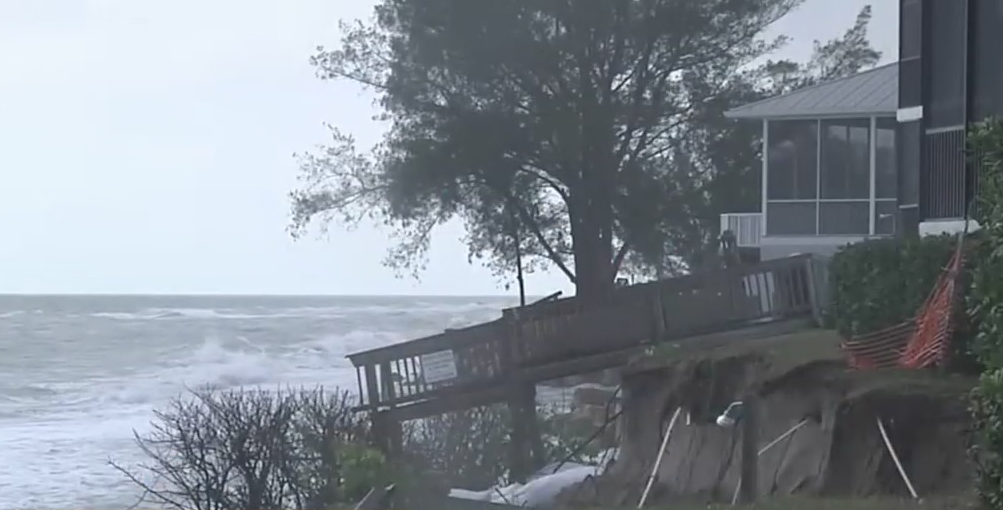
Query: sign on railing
x=438, y=366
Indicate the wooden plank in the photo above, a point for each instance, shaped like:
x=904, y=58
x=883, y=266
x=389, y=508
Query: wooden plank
x=443, y=392
x=455, y=402
x=372, y=387
x=568, y=336
x=485, y=395
x=578, y=365
x=446, y=340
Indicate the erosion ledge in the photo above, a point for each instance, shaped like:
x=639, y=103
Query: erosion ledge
x=838, y=453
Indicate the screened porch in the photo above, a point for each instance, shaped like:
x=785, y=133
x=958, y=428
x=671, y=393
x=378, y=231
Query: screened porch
x=829, y=177
x=829, y=170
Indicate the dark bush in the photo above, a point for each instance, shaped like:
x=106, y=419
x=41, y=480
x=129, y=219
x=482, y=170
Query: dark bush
x=471, y=448
x=246, y=449
x=881, y=282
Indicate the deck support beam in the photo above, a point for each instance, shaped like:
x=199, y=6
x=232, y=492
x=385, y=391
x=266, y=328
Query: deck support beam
x=386, y=425
x=501, y=361
x=526, y=444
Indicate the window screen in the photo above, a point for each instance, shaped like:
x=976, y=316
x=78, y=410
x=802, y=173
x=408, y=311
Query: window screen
x=792, y=160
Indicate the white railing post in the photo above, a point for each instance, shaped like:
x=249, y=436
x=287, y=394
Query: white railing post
x=747, y=227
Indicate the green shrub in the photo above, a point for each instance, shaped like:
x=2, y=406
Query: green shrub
x=987, y=413
x=881, y=282
x=986, y=305
x=471, y=447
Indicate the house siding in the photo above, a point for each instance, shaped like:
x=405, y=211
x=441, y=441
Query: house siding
x=826, y=246
x=951, y=74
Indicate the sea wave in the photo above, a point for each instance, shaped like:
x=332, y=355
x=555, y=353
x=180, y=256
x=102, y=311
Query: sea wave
x=329, y=312
x=82, y=380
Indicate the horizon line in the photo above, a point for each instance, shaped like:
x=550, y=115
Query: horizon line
x=238, y=294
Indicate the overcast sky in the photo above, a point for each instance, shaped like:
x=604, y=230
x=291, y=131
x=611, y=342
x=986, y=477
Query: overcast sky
x=145, y=147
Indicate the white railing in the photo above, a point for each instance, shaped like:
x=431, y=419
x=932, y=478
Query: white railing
x=747, y=227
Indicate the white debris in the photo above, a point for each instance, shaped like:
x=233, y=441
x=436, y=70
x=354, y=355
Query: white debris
x=543, y=486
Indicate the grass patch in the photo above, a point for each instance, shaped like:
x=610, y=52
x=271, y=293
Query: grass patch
x=784, y=353
x=787, y=350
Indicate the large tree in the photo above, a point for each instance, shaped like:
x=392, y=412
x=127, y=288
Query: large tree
x=563, y=124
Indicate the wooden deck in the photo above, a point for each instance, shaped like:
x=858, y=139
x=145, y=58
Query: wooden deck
x=479, y=365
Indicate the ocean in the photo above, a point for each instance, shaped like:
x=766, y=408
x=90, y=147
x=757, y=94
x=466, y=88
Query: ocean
x=78, y=374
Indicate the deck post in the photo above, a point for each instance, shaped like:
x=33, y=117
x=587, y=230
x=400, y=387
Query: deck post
x=749, y=488
x=376, y=417
x=813, y=294
x=525, y=444
x=390, y=425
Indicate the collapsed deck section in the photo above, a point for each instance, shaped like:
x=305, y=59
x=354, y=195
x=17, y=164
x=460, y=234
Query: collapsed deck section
x=478, y=365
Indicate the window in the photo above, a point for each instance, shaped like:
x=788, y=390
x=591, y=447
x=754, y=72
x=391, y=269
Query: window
x=946, y=38
x=844, y=218
x=792, y=158
x=791, y=218
x=819, y=177
x=886, y=160
x=845, y=177
x=846, y=159
x=986, y=60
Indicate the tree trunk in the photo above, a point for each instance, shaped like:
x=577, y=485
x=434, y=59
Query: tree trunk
x=591, y=231
x=592, y=219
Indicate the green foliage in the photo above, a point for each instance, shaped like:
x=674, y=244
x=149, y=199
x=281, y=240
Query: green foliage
x=471, y=447
x=986, y=304
x=566, y=438
x=593, y=130
x=881, y=282
x=987, y=413
x=468, y=447
x=363, y=467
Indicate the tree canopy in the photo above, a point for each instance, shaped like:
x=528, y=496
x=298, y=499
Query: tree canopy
x=588, y=131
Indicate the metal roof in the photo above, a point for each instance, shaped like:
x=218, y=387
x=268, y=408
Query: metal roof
x=872, y=92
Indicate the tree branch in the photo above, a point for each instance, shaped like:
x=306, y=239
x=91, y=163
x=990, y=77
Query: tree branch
x=552, y=254
x=618, y=259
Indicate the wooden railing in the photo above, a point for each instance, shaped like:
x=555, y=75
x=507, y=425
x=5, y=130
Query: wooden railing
x=487, y=355
x=432, y=365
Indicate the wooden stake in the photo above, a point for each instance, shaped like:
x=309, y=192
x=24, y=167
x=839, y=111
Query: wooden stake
x=895, y=458
x=785, y=435
x=658, y=460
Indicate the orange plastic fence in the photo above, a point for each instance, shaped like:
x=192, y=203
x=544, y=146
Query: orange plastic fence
x=917, y=343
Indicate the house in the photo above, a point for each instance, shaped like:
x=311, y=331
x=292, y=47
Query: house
x=951, y=75
x=882, y=152
x=829, y=166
